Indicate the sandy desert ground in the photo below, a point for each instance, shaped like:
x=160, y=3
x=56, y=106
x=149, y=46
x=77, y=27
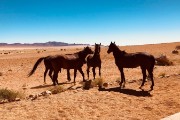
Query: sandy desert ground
x=112, y=103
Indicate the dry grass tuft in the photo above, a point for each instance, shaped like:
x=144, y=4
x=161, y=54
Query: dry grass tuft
x=93, y=83
x=9, y=95
x=162, y=75
x=57, y=89
x=97, y=82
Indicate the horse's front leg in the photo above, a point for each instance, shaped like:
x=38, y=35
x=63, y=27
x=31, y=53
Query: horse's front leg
x=122, y=77
x=88, y=71
x=80, y=70
x=94, y=72
x=100, y=71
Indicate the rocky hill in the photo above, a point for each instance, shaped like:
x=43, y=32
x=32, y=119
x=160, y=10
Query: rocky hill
x=50, y=43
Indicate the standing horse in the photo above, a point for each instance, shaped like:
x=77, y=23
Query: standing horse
x=72, y=61
x=133, y=60
x=94, y=61
x=48, y=67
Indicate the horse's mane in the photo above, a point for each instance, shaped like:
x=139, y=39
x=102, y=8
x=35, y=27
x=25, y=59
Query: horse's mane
x=123, y=52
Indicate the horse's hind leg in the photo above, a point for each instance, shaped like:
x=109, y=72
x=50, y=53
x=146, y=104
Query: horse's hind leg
x=144, y=77
x=75, y=72
x=122, y=77
x=80, y=70
x=50, y=74
x=45, y=72
x=88, y=71
x=68, y=75
x=151, y=77
x=94, y=72
x=55, y=76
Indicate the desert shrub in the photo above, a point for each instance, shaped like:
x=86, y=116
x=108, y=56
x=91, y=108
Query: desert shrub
x=1, y=73
x=93, y=83
x=162, y=60
x=9, y=95
x=97, y=82
x=178, y=47
x=57, y=89
x=175, y=52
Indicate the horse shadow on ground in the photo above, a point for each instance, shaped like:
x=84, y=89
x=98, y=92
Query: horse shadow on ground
x=44, y=86
x=141, y=93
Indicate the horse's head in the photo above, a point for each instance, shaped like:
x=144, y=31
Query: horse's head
x=97, y=48
x=111, y=47
x=87, y=50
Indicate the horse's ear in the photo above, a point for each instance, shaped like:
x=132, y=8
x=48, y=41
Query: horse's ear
x=111, y=41
x=100, y=43
x=114, y=42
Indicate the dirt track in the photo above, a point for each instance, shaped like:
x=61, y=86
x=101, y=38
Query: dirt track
x=130, y=103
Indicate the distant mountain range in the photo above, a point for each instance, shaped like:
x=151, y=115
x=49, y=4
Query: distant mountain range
x=50, y=43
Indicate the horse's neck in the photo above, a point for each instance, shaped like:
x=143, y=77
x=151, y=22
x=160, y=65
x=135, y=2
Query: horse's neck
x=96, y=54
x=82, y=55
x=117, y=53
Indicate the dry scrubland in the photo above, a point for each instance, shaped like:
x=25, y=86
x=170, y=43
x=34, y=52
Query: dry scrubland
x=78, y=104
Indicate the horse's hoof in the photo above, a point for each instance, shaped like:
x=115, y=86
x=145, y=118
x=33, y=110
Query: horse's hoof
x=151, y=89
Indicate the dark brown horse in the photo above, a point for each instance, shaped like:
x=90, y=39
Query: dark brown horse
x=69, y=61
x=94, y=61
x=133, y=60
x=48, y=67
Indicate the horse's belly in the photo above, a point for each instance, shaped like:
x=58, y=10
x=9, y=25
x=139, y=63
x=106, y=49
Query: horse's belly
x=127, y=64
x=72, y=64
x=130, y=66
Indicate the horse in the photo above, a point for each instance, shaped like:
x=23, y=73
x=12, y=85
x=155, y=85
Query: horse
x=94, y=60
x=48, y=67
x=133, y=60
x=69, y=61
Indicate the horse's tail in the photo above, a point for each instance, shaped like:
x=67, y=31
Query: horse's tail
x=35, y=66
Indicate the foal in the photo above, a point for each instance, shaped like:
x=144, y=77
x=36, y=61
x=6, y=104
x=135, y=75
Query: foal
x=133, y=60
x=94, y=61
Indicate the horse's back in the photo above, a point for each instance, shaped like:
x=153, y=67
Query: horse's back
x=132, y=60
x=145, y=59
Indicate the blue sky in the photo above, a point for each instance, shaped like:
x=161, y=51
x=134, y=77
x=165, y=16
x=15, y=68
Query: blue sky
x=127, y=22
